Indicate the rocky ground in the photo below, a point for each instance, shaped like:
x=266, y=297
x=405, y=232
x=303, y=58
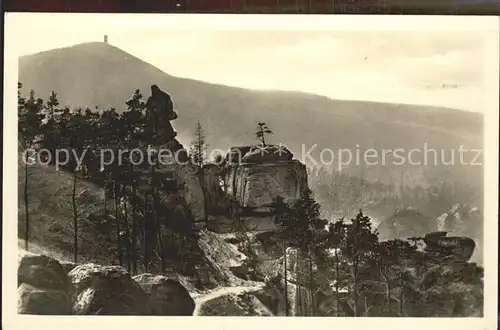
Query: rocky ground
x=50, y=284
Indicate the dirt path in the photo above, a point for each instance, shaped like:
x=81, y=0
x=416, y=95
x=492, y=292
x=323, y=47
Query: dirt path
x=201, y=299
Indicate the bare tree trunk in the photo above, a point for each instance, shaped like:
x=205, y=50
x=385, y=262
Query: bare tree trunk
x=401, y=295
x=158, y=233
x=26, y=210
x=134, y=233
x=146, y=233
x=355, y=289
x=286, y=280
x=311, y=281
x=337, y=279
x=127, y=234
x=117, y=223
x=75, y=219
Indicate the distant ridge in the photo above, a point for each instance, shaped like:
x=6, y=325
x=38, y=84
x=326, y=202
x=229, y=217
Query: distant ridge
x=98, y=74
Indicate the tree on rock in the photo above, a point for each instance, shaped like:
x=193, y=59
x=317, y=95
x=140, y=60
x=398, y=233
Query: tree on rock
x=262, y=130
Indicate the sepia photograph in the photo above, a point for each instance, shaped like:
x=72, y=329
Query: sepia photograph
x=251, y=166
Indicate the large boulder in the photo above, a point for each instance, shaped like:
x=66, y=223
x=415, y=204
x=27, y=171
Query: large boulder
x=166, y=296
x=67, y=266
x=449, y=247
x=231, y=304
x=32, y=300
x=42, y=272
x=107, y=290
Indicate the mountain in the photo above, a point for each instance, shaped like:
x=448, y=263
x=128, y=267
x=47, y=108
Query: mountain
x=98, y=74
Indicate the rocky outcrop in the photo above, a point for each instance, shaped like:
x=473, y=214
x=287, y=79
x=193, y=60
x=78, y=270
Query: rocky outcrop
x=217, y=201
x=42, y=272
x=67, y=266
x=244, y=304
x=262, y=174
x=37, y=301
x=181, y=177
x=166, y=296
x=267, y=154
x=449, y=248
x=107, y=290
x=255, y=186
x=43, y=286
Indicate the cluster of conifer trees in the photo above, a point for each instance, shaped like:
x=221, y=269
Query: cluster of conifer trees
x=369, y=277
x=132, y=187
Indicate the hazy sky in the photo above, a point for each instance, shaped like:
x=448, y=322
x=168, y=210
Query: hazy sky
x=434, y=66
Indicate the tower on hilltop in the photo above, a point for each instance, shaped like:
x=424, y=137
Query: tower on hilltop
x=105, y=39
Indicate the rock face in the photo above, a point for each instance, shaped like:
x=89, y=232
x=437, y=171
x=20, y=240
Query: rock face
x=42, y=272
x=255, y=176
x=178, y=171
x=166, y=296
x=245, y=304
x=216, y=198
x=33, y=300
x=262, y=174
x=256, y=185
x=43, y=286
x=107, y=290
x=449, y=248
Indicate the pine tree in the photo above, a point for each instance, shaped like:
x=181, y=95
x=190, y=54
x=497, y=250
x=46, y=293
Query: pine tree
x=29, y=128
x=336, y=240
x=361, y=241
x=198, y=153
x=262, y=130
x=198, y=149
x=134, y=122
x=391, y=256
x=283, y=220
x=307, y=225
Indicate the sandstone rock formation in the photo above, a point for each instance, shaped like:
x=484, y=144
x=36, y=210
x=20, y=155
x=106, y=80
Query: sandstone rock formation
x=244, y=304
x=33, y=300
x=263, y=175
x=43, y=286
x=216, y=199
x=42, y=272
x=67, y=266
x=449, y=248
x=107, y=290
x=256, y=185
x=166, y=296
